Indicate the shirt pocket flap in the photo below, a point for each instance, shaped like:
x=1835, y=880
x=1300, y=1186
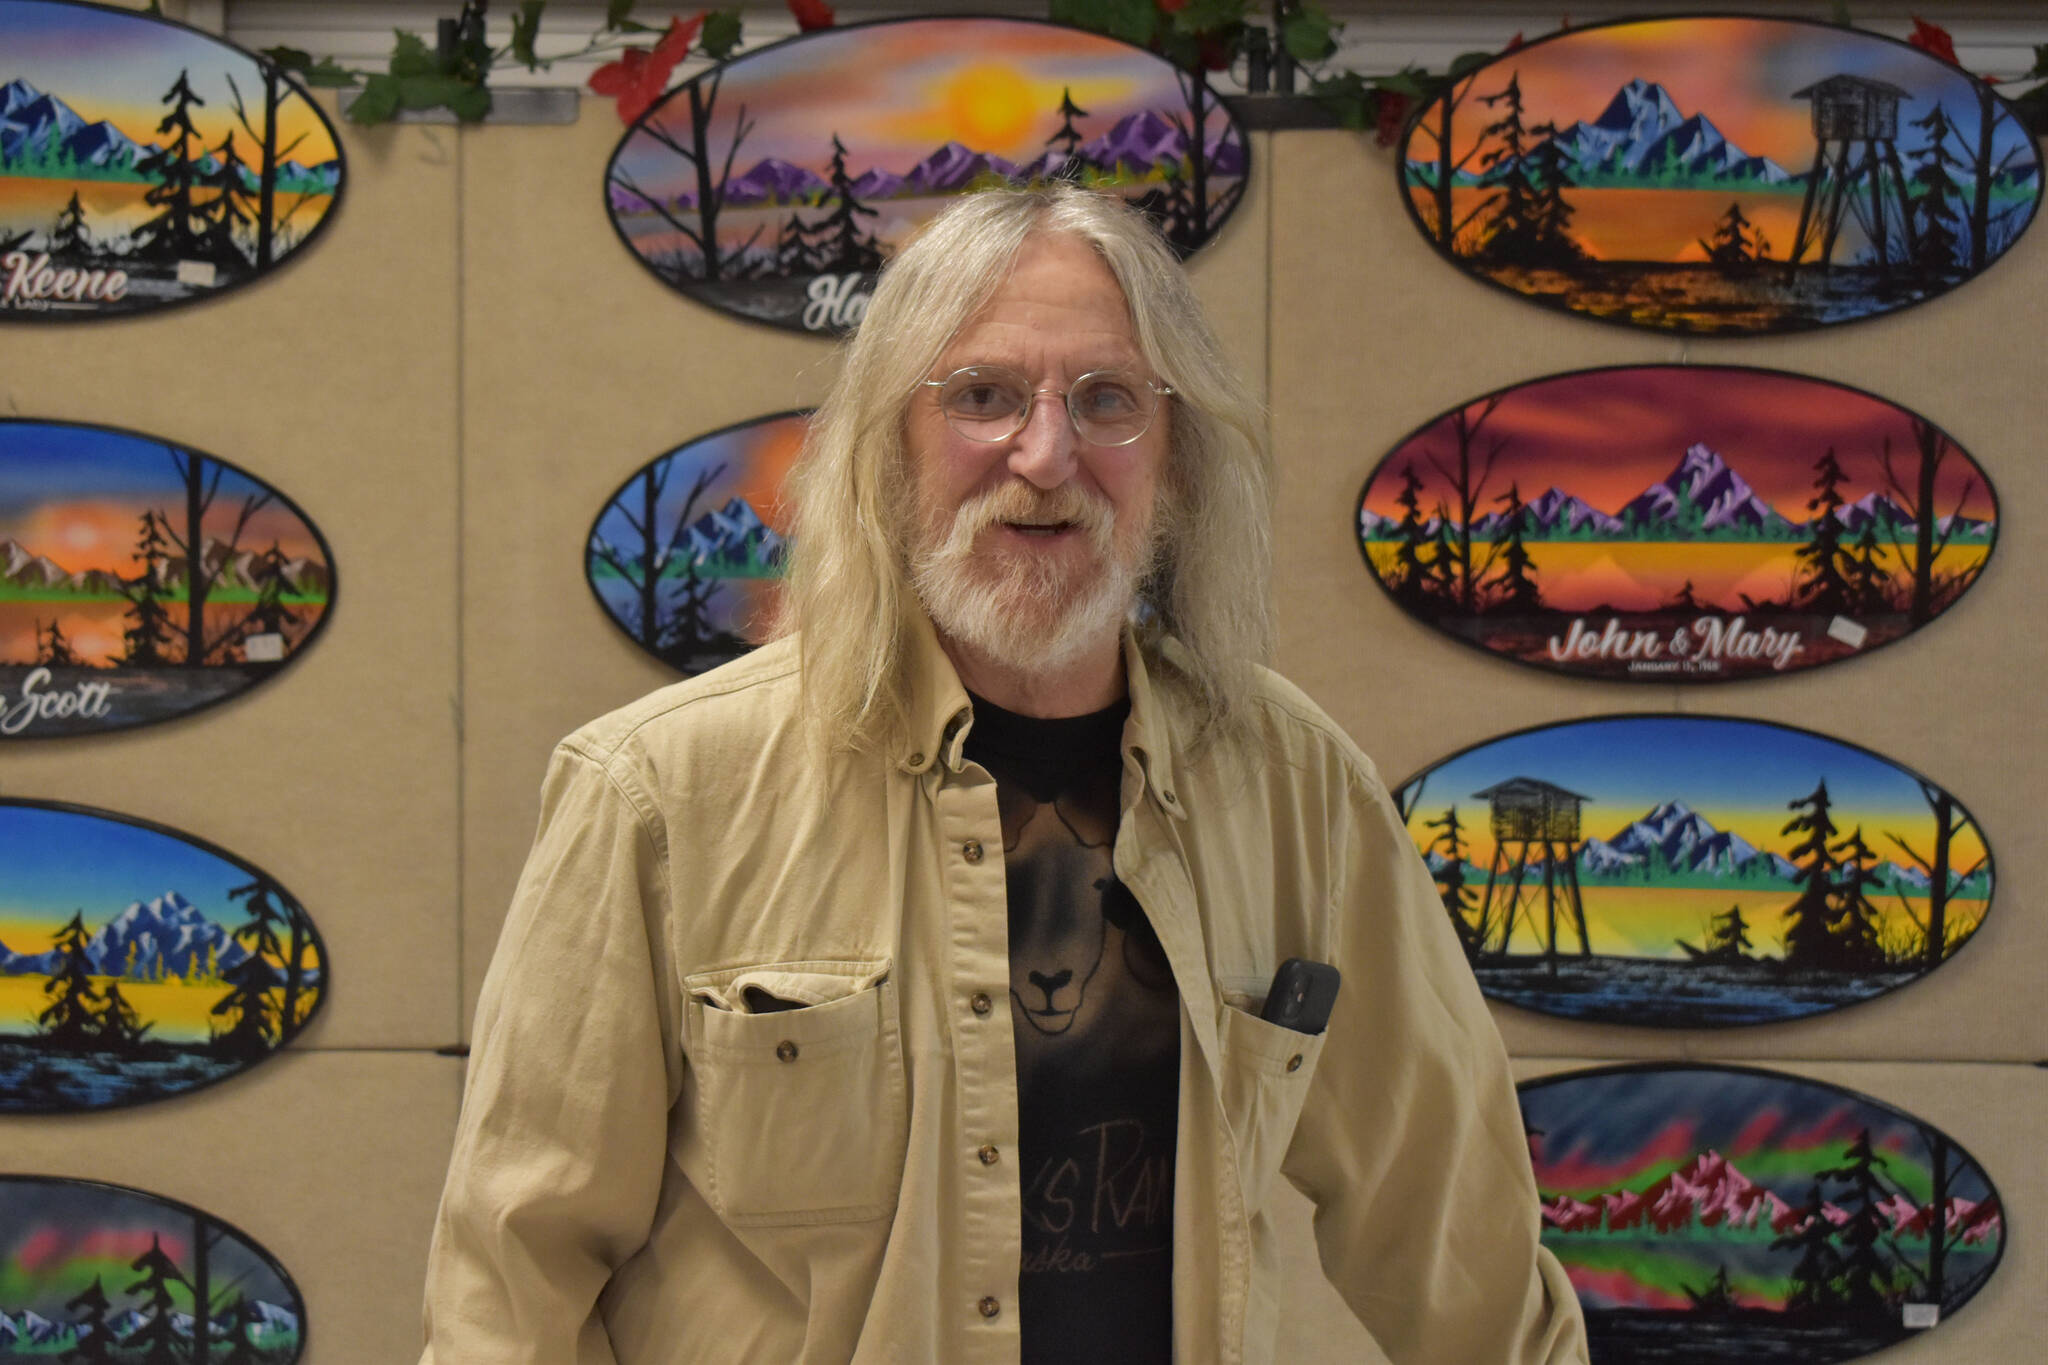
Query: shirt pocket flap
x=782, y=988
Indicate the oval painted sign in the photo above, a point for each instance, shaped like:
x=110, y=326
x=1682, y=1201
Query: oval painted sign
x=1677, y=523
x=686, y=557
x=774, y=186
x=1690, y=871
x=145, y=164
x=91, y=1271
x=137, y=962
x=141, y=580
x=1713, y=1215
x=1720, y=174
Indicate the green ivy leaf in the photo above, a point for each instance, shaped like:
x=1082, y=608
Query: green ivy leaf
x=1838, y=12
x=1465, y=63
x=468, y=102
x=1206, y=18
x=1411, y=80
x=1131, y=20
x=525, y=29
x=1309, y=35
x=615, y=12
x=412, y=57
x=1346, y=95
x=720, y=34
x=378, y=102
x=300, y=63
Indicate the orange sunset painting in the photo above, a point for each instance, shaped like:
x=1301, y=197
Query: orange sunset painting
x=1693, y=871
x=774, y=186
x=1677, y=523
x=144, y=163
x=1720, y=173
x=141, y=580
x=686, y=558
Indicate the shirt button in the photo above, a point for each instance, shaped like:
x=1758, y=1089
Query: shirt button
x=785, y=1051
x=989, y=1307
x=917, y=760
x=1170, y=798
x=1294, y=1062
x=988, y=1155
x=981, y=1004
x=971, y=850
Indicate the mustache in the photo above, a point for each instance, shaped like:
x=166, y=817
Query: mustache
x=1024, y=503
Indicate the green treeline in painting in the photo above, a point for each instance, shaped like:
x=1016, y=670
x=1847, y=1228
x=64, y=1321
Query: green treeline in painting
x=775, y=186
x=1694, y=871
x=1689, y=523
x=1725, y=1216
x=92, y=1272
x=1713, y=174
x=114, y=990
x=143, y=163
x=140, y=580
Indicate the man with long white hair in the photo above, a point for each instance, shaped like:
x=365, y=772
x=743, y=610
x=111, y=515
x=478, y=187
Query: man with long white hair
x=905, y=993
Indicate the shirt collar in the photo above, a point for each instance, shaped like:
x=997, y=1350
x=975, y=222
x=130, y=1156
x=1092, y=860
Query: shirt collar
x=940, y=714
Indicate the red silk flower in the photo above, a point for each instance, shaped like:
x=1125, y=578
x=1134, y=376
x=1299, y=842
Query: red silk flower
x=637, y=79
x=1390, y=111
x=811, y=15
x=1933, y=39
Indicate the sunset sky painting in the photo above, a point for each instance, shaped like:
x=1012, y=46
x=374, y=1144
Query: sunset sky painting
x=774, y=186
x=98, y=613
x=1691, y=1204
x=1672, y=502
x=1651, y=171
x=1674, y=823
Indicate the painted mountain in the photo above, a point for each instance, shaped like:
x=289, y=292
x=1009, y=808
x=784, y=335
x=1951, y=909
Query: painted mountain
x=1719, y=1215
x=1695, y=524
x=127, y=179
x=1745, y=174
x=833, y=147
x=149, y=996
x=91, y=1271
x=1694, y=871
x=686, y=556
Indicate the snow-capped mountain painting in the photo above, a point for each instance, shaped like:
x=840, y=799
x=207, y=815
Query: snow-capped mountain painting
x=100, y=110
x=114, y=998
x=1720, y=174
x=1677, y=523
x=1712, y=1215
x=685, y=558
x=814, y=191
x=1694, y=871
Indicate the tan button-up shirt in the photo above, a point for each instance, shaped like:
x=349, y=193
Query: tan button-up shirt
x=651, y=1170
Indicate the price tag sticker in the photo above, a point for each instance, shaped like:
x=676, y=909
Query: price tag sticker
x=264, y=649
x=196, y=273
x=1921, y=1315
x=1848, y=632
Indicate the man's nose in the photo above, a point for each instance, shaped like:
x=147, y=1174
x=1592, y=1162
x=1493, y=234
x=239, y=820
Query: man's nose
x=1044, y=451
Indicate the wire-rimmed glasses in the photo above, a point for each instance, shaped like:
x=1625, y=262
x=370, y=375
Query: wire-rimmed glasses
x=991, y=403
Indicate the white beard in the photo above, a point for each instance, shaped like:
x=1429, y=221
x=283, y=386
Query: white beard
x=1030, y=614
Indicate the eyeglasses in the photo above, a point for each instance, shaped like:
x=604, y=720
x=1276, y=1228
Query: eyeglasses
x=992, y=403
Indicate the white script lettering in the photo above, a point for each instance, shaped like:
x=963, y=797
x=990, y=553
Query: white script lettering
x=834, y=302
x=86, y=700
x=32, y=280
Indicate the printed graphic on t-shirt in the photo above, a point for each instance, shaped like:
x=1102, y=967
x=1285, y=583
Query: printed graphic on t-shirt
x=1098, y=1049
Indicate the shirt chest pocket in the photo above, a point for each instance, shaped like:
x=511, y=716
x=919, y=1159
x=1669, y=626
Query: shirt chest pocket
x=1266, y=1073
x=800, y=1092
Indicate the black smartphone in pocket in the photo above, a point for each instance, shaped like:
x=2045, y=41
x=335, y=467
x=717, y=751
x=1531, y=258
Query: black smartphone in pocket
x=1302, y=994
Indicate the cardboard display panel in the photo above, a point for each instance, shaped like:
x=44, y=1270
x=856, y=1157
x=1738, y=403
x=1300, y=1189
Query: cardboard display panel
x=1374, y=335
x=553, y=425
x=331, y=1162
x=339, y=779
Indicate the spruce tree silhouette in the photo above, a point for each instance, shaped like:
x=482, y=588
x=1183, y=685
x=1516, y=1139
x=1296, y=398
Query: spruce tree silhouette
x=68, y=239
x=1450, y=848
x=1939, y=204
x=179, y=231
x=1865, y=1279
x=150, y=620
x=69, y=1021
x=1809, y=939
x=1822, y=585
x=1512, y=588
x=156, y=1336
x=1814, y=1291
x=88, y=1309
x=846, y=245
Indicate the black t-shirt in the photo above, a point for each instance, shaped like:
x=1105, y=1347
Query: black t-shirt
x=1098, y=1047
